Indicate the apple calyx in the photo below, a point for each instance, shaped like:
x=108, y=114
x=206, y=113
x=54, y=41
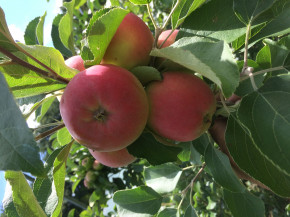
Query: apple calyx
x=100, y=114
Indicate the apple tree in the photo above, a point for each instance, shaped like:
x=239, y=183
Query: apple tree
x=216, y=147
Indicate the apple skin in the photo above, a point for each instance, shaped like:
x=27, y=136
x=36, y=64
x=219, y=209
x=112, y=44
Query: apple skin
x=104, y=108
x=181, y=106
x=114, y=159
x=131, y=44
x=169, y=41
x=76, y=62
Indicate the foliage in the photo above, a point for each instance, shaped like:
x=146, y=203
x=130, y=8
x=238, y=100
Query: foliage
x=237, y=47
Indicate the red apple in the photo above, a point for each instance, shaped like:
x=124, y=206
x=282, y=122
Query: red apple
x=76, y=62
x=181, y=106
x=131, y=44
x=170, y=40
x=97, y=165
x=104, y=108
x=114, y=159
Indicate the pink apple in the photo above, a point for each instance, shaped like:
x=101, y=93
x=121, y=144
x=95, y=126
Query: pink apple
x=170, y=40
x=115, y=159
x=104, y=108
x=131, y=44
x=181, y=106
x=76, y=62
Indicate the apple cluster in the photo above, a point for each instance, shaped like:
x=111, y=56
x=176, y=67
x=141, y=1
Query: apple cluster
x=106, y=108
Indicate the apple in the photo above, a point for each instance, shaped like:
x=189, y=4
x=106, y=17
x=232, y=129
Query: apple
x=114, y=159
x=75, y=62
x=90, y=178
x=97, y=165
x=170, y=40
x=131, y=44
x=104, y=108
x=181, y=106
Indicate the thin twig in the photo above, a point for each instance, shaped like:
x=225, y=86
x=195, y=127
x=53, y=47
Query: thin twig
x=263, y=72
x=248, y=32
x=151, y=16
x=48, y=133
x=184, y=192
x=171, y=12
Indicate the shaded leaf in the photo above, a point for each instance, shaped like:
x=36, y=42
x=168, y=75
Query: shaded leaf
x=153, y=151
x=248, y=10
x=266, y=115
x=221, y=169
x=244, y=204
x=190, y=212
x=39, y=29
x=30, y=37
x=65, y=26
x=141, y=201
x=18, y=150
x=145, y=74
x=162, y=178
x=249, y=159
x=140, y=2
x=183, y=10
x=168, y=212
x=56, y=38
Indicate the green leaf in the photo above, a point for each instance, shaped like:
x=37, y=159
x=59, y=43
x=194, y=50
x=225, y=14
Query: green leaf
x=279, y=23
x=221, y=169
x=183, y=10
x=266, y=115
x=56, y=38
x=45, y=106
x=44, y=189
x=6, y=40
x=215, y=19
x=30, y=32
x=153, y=151
x=244, y=204
x=145, y=74
x=162, y=178
x=249, y=159
x=99, y=35
x=190, y=212
x=168, y=212
x=214, y=60
x=59, y=170
x=23, y=197
x=39, y=29
x=248, y=10
x=140, y=2
x=142, y=201
x=25, y=82
x=65, y=26
x=63, y=136
x=17, y=146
